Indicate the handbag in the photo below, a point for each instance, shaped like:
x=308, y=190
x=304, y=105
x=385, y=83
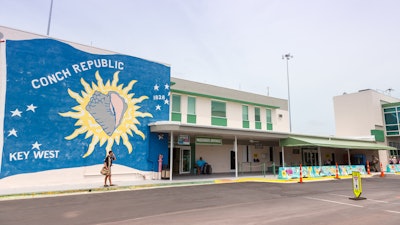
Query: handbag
x=104, y=171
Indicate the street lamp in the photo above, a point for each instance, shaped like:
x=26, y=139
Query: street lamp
x=48, y=24
x=287, y=57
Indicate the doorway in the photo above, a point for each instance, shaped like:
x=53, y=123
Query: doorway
x=310, y=156
x=182, y=159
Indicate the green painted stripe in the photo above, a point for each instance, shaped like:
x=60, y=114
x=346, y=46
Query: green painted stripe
x=223, y=99
x=391, y=104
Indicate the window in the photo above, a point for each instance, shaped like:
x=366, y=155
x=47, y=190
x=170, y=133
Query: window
x=191, y=106
x=257, y=117
x=269, y=119
x=245, y=116
x=218, y=113
x=245, y=113
x=218, y=109
x=176, y=103
x=191, y=110
x=395, y=152
x=392, y=115
x=176, y=108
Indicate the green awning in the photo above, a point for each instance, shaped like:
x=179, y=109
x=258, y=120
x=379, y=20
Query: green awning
x=330, y=142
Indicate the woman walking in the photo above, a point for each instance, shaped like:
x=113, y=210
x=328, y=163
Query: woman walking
x=108, y=163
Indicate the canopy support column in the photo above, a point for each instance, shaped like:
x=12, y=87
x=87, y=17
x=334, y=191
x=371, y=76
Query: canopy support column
x=319, y=156
x=283, y=156
x=171, y=155
x=236, y=157
x=348, y=156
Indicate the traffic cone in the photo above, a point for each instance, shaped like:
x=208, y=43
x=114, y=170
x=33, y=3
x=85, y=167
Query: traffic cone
x=368, y=169
x=382, y=173
x=337, y=172
x=301, y=174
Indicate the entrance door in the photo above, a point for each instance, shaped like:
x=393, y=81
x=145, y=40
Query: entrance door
x=310, y=157
x=185, y=161
x=233, y=160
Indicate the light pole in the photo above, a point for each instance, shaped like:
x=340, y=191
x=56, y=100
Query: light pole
x=48, y=24
x=287, y=57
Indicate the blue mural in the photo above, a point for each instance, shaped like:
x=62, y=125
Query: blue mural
x=66, y=108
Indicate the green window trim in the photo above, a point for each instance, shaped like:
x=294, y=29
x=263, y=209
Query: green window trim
x=269, y=126
x=379, y=135
x=176, y=116
x=258, y=125
x=245, y=124
x=191, y=119
x=218, y=121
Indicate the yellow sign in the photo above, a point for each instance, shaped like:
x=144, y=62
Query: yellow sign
x=357, y=188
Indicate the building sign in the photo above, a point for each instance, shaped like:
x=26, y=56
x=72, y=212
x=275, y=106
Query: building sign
x=66, y=108
x=183, y=139
x=208, y=141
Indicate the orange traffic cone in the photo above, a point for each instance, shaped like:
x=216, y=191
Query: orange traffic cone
x=301, y=174
x=368, y=169
x=382, y=173
x=337, y=172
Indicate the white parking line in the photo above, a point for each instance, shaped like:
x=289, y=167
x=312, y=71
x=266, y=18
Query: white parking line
x=342, y=203
x=392, y=211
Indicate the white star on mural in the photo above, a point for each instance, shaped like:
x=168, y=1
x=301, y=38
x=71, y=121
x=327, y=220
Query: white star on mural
x=12, y=132
x=16, y=112
x=156, y=87
x=166, y=86
x=158, y=107
x=31, y=107
x=160, y=136
x=166, y=101
x=36, y=145
x=169, y=93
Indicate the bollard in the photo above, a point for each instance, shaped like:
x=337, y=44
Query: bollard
x=301, y=174
x=382, y=173
x=368, y=169
x=337, y=172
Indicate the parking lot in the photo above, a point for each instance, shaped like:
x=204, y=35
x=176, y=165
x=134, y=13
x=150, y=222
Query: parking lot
x=322, y=202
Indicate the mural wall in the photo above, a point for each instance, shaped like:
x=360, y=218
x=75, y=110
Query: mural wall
x=66, y=108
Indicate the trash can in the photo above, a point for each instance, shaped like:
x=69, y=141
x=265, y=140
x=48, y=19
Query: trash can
x=165, y=172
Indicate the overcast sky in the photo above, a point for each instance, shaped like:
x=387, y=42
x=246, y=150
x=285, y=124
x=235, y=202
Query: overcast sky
x=337, y=46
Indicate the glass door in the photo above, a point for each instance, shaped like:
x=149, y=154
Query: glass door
x=185, y=161
x=310, y=157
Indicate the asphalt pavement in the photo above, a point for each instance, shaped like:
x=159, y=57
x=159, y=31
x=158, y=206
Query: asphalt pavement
x=7, y=192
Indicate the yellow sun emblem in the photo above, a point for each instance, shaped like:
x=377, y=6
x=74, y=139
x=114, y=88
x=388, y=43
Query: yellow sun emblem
x=107, y=112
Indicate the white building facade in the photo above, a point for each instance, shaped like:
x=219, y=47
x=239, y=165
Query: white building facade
x=369, y=114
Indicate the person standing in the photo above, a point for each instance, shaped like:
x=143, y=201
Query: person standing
x=375, y=161
x=108, y=163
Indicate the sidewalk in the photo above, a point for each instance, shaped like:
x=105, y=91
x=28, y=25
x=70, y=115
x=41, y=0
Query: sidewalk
x=32, y=189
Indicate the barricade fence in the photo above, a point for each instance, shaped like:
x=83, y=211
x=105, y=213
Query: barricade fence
x=319, y=171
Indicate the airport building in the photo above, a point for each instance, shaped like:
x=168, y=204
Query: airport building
x=65, y=105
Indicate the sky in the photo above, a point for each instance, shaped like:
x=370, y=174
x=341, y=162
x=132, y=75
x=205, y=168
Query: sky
x=337, y=46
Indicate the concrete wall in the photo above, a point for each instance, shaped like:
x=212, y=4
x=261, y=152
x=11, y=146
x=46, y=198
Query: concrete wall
x=356, y=114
